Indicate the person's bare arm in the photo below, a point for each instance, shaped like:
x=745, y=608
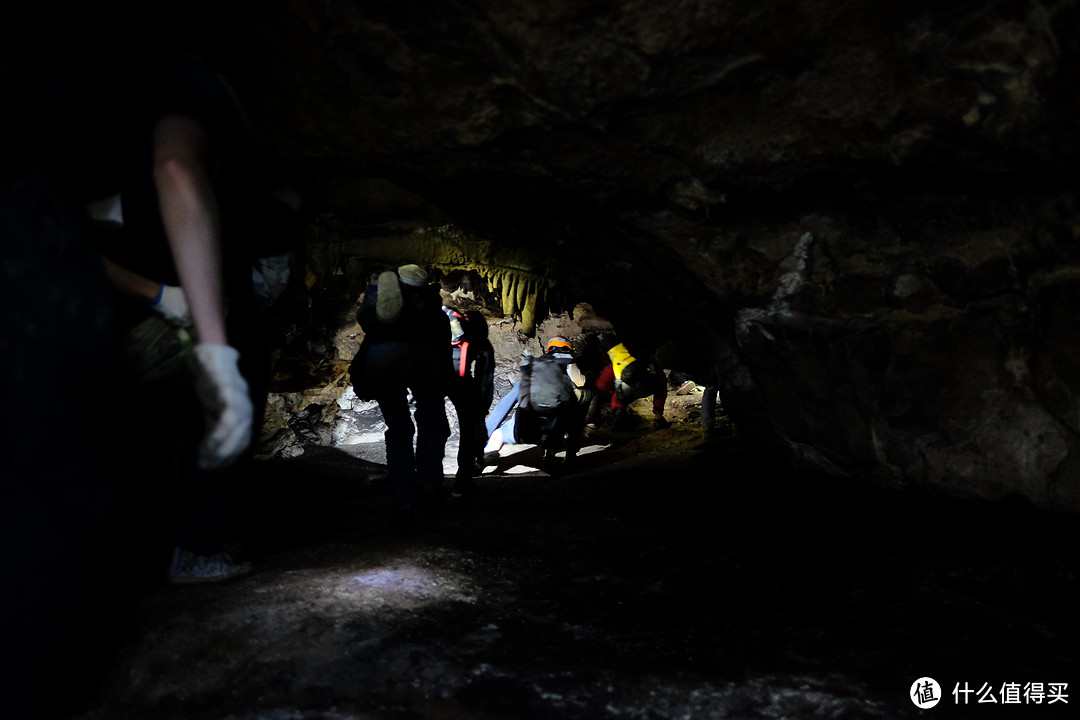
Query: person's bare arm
x=131, y=283
x=190, y=213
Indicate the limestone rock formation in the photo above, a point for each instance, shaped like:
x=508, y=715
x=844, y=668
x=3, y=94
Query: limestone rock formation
x=859, y=218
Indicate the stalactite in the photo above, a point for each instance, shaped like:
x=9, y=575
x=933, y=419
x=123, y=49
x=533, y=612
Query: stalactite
x=518, y=281
x=521, y=290
x=528, y=314
x=507, y=283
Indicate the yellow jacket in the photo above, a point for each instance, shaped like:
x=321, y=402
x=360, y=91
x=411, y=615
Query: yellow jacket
x=620, y=357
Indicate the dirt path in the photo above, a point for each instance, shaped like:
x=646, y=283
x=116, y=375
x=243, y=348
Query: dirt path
x=676, y=576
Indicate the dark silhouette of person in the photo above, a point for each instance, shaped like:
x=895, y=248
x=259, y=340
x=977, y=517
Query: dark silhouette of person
x=472, y=388
x=169, y=182
x=406, y=350
x=58, y=451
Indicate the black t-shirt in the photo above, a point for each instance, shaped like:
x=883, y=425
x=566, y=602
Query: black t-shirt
x=179, y=85
x=170, y=85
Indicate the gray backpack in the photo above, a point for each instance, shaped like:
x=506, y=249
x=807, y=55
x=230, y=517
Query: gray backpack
x=549, y=387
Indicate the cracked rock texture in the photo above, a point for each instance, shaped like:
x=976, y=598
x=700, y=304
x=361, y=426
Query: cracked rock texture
x=858, y=218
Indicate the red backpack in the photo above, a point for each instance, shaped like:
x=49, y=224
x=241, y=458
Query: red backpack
x=459, y=341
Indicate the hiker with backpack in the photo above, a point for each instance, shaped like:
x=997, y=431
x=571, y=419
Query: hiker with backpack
x=406, y=348
x=472, y=387
x=548, y=412
x=584, y=389
x=626, y=379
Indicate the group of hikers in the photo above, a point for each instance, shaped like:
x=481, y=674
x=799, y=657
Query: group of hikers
x=144, y=238
x=415, y=345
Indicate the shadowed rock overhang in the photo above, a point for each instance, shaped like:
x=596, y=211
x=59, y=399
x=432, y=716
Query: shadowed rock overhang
x=860, y=219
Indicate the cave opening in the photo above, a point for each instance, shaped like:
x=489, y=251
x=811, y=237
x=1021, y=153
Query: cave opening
x=862, y=231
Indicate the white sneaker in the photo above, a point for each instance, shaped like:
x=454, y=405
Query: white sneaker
x=187, y=567
x=686, y=388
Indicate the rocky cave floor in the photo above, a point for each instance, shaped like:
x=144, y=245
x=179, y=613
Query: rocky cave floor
x=678, y=574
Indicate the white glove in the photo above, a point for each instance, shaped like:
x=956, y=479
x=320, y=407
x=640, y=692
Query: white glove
x=172, y=305
x=223, y=393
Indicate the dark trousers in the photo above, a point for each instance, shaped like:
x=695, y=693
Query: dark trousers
x=551, y=431
x=197, y=500
x=410, y=471
x=393, y=372
x=471, y=432
x=708, y=406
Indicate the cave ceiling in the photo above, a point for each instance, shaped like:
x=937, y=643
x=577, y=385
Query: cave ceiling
x=611, y=136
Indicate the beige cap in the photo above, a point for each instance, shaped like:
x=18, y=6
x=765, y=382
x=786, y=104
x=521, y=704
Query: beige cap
x=412, y=275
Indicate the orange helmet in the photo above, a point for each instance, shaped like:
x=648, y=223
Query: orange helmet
x=558, y=342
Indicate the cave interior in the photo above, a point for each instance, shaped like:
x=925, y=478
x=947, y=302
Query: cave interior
x=860, y=221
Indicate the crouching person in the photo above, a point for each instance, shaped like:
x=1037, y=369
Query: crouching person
x=626, y=379
x=548, y=412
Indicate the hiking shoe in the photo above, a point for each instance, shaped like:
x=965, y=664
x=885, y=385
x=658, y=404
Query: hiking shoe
x=659, y=423
x=491, y=458
x=187, y=567
x=388, y=301
x=686, y=388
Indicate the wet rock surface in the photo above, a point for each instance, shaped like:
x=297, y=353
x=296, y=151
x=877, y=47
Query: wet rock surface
x=678, y=574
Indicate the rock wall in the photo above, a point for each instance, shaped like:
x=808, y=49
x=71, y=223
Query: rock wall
x=921, y=342
x=859, y=217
